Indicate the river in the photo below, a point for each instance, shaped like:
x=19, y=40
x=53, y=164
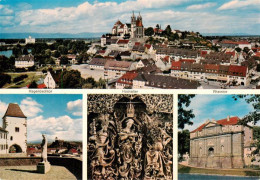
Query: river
x=213, y=177
x=7, y=53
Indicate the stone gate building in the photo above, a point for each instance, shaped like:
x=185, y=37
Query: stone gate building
x=13, y=133
x=221, y=144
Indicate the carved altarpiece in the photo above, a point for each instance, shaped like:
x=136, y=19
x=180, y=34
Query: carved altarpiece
x=130, y=137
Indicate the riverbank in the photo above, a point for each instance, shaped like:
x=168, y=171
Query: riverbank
x=224, y=172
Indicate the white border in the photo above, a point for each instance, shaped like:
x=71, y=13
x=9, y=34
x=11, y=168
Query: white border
x=174, y=92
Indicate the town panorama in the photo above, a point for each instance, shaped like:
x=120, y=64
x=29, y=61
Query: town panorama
x=132, y=56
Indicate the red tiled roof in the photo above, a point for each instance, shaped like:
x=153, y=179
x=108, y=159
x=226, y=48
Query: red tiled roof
x=188, y=60
x=148, y=46
x=137, y=43
x=223, y=122
x=257, y=54
x=127, y=78
x=123, y=41
x=233, y=53
x=166, y=58
x=237, y=70
x=235, y=42
x=212, y=66
x=102, y=51
x=176, y=65
x=203, y=53
x=41, y=86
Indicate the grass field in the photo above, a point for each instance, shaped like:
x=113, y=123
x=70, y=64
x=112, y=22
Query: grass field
x=233, y=172
x=31, y=76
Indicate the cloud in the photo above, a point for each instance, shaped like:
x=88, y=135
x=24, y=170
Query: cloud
x=200, y=6
x=5, y=10
x=3, y=108
x=63, y=127
x=75, y=107
x=30, y=107
x=99, y=17
x=235, y=4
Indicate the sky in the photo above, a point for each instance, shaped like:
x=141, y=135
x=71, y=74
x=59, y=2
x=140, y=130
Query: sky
x=81, y=16
x=216, y=107
x=54, y=115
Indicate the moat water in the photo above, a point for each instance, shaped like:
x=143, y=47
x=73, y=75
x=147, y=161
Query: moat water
x=213, y=177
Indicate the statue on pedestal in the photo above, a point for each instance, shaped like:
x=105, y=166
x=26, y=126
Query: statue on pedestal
x=44, y=166
x=44, y=148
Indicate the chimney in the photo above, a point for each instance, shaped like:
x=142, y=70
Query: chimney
x=228, y=118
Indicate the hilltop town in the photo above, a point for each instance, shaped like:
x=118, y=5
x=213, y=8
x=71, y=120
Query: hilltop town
x=133, y=56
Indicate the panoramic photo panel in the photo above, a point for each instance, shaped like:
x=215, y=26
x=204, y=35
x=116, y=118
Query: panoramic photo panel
x=139, y=44
x=218, y=137
x=129, y=137
x=41, y=136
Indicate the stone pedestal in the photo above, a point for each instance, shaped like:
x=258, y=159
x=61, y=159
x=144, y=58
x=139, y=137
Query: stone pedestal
x=43, y=167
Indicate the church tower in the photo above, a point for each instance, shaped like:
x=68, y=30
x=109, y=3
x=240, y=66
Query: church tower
x=15, y=123
x=133, y=25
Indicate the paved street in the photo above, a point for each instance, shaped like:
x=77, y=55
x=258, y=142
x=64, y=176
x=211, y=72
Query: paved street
x=87, y=72
x=29, y=172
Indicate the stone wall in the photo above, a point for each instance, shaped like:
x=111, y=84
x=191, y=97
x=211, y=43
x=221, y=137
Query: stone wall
x=19, y=161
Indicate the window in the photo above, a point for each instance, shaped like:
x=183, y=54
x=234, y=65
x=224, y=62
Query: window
x=11, y=138
x=211, y=151
x=16, y=129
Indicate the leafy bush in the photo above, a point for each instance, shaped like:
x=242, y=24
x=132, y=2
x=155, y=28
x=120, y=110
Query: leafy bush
x=20, y=78
x=4, y=78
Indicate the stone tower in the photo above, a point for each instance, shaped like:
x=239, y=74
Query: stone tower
x=133, y=25
x=15, y=123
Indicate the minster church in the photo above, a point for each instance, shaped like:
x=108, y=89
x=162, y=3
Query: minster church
x=135, y=29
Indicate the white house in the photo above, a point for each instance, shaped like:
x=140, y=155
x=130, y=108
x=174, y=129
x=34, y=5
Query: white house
x=15, y=126
x=52, y=79
x=24, y=61
x=3, y=141
x=29, y=40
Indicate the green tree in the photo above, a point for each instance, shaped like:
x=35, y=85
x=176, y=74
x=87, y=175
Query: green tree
x=56, y=54
x=17, y=50
x=238, y=49
x=25, y=51
x=168, y=30
x=33, y=85
x=184, y=115
x=149, y=31
x=183, y=142
x=253, y=116
x=64, y=60
x=101, y=84
x=49, y=61
x=4, y=78
x=71, y=79
x=62, y=49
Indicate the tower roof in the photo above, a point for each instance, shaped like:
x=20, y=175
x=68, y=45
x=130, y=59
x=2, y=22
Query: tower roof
x=14, y=110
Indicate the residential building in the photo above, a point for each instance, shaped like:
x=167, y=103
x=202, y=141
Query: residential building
x=97, y=63
x=152, y=81
x=115, y=69
x=52, y=80
x=29, y=40
x=24, y=61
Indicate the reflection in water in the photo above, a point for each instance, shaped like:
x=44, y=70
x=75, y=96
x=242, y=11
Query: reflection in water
x=212, y=177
